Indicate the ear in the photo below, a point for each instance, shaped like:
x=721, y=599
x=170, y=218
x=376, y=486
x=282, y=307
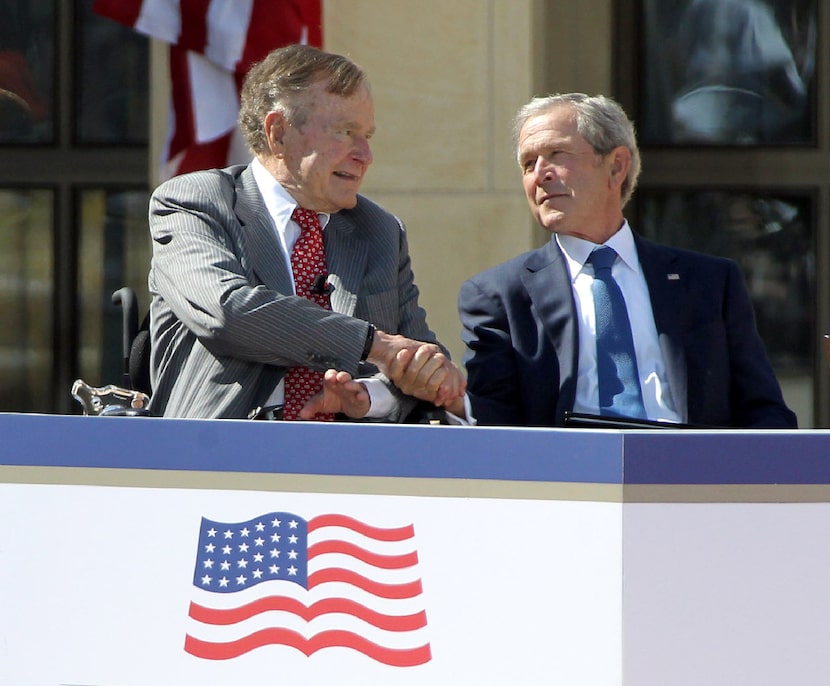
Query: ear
x=620, y=163
x=275, y=126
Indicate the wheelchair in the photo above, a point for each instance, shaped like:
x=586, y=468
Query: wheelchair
x=132, y=396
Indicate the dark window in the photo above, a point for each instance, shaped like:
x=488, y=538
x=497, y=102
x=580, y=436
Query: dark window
x=112, y=79
x=726, y=98
x=27, y=71
x=73, y=196
x=728, y=72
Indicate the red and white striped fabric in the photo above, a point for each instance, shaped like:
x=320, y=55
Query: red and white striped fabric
x=213, y=43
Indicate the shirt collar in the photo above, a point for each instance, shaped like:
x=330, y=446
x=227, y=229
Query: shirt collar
x=577, y=250
x=278, y=201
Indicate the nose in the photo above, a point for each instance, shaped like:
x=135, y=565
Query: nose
x=363, y=151
x=542, y=169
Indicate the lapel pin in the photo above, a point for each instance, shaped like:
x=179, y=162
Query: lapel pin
x=673, y=277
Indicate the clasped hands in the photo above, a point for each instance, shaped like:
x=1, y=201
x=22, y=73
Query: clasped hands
x=418, y=369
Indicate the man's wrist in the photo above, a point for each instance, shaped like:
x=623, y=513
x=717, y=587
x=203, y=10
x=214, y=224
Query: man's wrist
x=367, y=346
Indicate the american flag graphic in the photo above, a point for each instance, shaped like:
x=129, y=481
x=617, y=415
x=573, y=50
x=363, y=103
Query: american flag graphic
x=330, y=581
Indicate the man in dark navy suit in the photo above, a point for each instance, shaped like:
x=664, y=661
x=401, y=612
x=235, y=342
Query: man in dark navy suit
x=530, y=325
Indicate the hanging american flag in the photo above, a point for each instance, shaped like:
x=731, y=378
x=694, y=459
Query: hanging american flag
x=213, y=43
x=330, y=581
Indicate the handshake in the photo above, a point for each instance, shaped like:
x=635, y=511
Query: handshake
x=418, y=369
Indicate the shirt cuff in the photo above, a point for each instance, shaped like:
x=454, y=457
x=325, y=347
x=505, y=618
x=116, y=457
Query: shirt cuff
x=382, y=402
x=469, y=420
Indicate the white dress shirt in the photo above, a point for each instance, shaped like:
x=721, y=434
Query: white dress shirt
x=657, y=398
x=280, y=206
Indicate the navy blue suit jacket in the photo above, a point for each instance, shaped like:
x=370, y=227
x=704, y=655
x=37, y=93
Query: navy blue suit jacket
x=522, y=340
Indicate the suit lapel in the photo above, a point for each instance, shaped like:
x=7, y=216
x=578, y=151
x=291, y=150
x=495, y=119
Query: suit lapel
x=666, y=278
x=346, y=252
x=548, y=284
x=666, y=281
x=346, y=257
x=266, y=255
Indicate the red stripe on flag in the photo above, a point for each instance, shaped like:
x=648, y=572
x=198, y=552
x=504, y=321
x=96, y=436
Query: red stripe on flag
x=312, y=11
x=123, y=11
x=204, y=155
x=345, y=548
x=327, y=639
x=389, y=591
x=274, y=23
x=399, y=534
x=194, y=33
x=225, y=617
x=184, y=127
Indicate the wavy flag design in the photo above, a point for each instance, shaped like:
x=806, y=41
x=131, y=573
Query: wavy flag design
x=330, y=581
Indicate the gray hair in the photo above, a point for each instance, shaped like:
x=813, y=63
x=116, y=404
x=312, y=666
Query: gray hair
x=599, y=120
x=279, y=82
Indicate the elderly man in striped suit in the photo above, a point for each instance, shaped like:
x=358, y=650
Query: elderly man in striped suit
x=278, y=290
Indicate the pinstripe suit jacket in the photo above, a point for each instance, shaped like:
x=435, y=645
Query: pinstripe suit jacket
x=224, y=322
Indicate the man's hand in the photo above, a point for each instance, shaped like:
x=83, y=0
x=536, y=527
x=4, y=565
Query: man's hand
x=419, y=369
x=385, y=349
x=340, y=393
x=428, y=375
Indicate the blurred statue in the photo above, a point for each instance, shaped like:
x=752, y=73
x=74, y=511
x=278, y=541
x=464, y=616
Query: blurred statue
x=746, y=72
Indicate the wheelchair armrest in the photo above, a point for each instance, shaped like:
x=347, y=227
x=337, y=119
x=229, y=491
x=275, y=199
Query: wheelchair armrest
x=110, y=401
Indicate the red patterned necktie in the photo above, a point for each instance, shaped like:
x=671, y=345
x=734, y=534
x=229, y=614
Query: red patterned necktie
x=308, y=261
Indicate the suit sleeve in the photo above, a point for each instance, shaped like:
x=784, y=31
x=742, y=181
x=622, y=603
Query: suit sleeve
x=755, y=395
x=407, y=319
x=492, y=376
x=413, y=322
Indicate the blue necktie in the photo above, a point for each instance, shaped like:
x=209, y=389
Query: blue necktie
x=619, y=383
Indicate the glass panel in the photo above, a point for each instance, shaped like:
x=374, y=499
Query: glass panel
x=113, y=100
x=728, y=72
x=772, y=237
x=27, y=61
x=26, y=295
x=114, y=252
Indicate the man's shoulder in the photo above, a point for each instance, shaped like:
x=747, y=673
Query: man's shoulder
x=366, y=206
x=512, y=268
x=368, y=214
x=649, y=249
x=203, y=178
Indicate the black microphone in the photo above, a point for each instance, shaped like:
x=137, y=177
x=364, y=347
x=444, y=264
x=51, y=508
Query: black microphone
x=320, y=286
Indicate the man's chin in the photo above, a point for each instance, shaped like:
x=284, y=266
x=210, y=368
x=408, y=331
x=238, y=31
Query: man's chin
x=552, y=221
x=349, y=202
x=343, y=202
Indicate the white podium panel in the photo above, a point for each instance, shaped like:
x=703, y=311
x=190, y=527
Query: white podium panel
x=727, y=593
x=124, y=576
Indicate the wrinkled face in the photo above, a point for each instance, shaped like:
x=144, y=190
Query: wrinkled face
x=570, y=188
x=322, y=162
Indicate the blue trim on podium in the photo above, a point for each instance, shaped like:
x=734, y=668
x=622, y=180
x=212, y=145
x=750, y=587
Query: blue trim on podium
x=728, y=457
x=345, y=449
x=416, y=451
